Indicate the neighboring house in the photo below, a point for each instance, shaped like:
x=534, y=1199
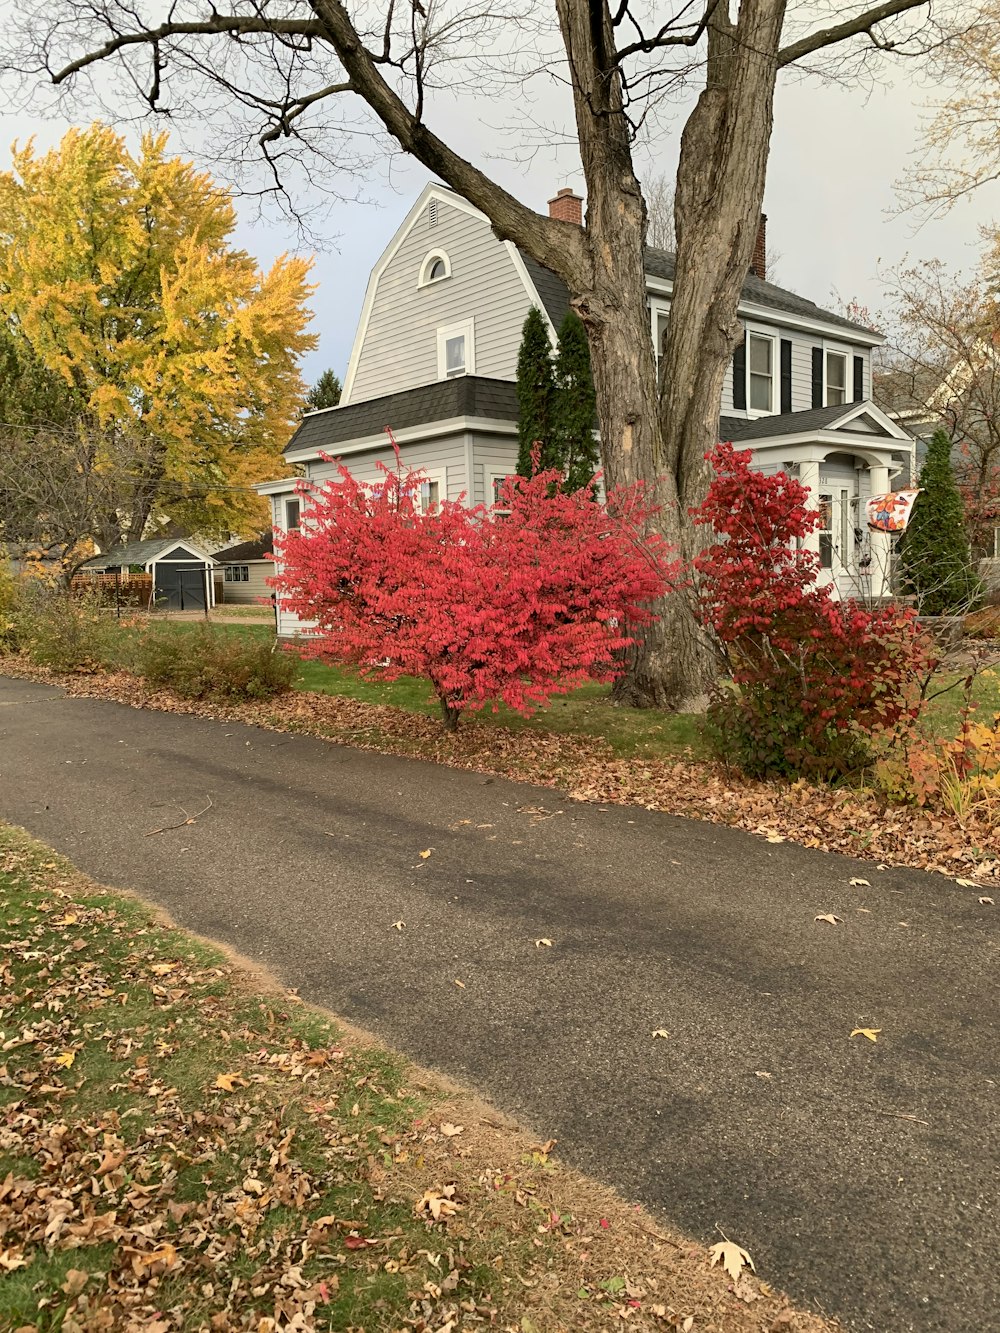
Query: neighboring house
x=179, y=569
x=965, y=402
x=245, y=569
x=435, y=358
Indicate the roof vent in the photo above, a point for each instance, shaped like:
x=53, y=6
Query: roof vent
x=432, y=213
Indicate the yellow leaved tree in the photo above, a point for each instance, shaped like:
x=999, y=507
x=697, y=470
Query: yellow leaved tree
x=119, y=273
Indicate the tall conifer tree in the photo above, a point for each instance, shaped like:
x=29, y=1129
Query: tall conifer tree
x=535, y=393
x=574, y=406
x=935, y=558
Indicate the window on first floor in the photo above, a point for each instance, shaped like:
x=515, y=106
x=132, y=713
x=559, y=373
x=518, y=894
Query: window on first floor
x=836, y=378
x=433, y=491
x=760, y=372
x=496, y=499
x=237, y=574
x=826, y=531
x=293, y=510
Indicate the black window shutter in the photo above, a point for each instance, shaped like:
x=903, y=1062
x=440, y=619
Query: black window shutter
x=740, y=377
x=859, y=379
x=786, y=375
x=817, y=377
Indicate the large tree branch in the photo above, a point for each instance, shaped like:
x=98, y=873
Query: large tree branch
x=840, y=32
x=216, y=25
x=560, y=246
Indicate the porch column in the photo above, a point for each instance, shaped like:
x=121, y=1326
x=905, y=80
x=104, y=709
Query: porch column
x=809, y=477
x=880, y=543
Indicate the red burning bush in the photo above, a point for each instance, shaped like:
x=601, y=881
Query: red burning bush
x=814, y=679
x=489, y=608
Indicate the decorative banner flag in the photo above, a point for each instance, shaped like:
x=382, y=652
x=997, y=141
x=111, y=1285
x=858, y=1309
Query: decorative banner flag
x=890, y=513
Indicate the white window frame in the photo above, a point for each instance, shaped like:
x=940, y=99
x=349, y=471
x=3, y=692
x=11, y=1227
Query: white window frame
x=296, y=500
x=466, y=329
x=657, y=309
x=772, y=338
x=491, y=480
x=438, y=474
x=430, y=259
x=236, y=574
x=838, y=349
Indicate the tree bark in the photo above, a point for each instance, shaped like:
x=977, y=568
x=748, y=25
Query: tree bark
x=450, y=715
x=720, y=189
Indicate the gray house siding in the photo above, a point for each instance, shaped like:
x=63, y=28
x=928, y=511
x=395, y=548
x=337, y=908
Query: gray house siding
x=802, y=345
x=400, y=344
x=446, y=454
x=492, y=455
x=255, y=590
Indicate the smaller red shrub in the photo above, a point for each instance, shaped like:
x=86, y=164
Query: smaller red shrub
x=815, y=678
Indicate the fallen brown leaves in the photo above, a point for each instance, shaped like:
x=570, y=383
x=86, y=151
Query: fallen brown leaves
x=857, y=823
x=218, y=1159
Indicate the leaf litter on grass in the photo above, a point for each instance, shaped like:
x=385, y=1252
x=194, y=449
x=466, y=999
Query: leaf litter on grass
x=218, y=1157
x=855, y=822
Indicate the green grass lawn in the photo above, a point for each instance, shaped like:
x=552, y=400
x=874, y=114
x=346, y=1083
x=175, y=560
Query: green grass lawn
x=588, y=711
x=185, y=1146
x=584, y=712
x=944, y=713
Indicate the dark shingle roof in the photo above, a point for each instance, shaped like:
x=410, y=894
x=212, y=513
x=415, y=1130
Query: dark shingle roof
x=258, y=548
x=660, y=264
x=788, y=423
x=464, y=396
x=552, y=291
x=137, y=553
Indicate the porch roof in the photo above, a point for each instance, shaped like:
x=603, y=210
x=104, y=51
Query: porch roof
x=839, y=418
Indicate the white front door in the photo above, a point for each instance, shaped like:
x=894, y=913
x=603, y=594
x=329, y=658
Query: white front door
x=841, y=535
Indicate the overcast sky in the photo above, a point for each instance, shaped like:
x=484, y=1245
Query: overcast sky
x=830, y=199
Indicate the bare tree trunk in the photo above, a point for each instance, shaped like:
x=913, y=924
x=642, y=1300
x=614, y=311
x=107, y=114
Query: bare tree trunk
x=725, y=144
x=666, y=667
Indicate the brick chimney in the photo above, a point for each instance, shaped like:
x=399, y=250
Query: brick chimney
x=567, y=206
x=758, y=264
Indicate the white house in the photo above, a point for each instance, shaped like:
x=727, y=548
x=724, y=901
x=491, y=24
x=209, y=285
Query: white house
x=435, y=358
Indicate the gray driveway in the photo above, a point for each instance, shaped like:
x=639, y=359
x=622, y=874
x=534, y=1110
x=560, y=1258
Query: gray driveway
x=758, y=1113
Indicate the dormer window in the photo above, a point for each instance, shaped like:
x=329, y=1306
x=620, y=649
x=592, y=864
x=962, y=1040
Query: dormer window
x=435, y=268
x=456, y=352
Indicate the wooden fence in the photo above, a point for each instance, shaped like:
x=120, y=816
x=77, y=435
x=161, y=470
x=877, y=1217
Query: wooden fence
x=122, y=589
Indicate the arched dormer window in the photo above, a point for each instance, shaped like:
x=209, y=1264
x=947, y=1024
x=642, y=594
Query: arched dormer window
x=435, y=268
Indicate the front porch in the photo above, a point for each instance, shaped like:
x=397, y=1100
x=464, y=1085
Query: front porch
x=844, y=455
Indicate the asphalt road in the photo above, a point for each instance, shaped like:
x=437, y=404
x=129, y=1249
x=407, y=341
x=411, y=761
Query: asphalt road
x=758, y=1112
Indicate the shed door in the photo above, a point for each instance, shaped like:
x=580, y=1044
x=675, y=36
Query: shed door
x=192, y=589
x=180, y=589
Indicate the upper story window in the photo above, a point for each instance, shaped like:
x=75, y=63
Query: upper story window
x=836, y=378
x=293, y=509
x=456, y=351
x=435, y=268
x=760, y=372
